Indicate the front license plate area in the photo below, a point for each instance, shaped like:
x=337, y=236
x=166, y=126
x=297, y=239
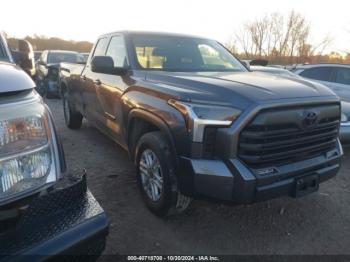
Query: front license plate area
x=306, y=185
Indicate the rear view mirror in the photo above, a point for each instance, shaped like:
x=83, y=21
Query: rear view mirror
x=105, y=65
x=24, y=57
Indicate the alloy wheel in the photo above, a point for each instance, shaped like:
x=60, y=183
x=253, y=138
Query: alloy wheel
x=151, y=175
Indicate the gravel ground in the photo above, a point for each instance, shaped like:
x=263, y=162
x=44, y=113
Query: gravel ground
x=316, y=224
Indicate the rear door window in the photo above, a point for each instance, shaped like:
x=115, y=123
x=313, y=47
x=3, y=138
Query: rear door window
x=318, y=73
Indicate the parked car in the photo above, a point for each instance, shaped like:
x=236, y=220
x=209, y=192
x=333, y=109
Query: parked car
x=337, y=78
x=48, y=68
x=45, y=209
x=198, y=124
x=255, y=62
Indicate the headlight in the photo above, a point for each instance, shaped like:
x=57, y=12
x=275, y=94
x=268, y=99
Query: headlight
x=198, y=116
x=27, y=150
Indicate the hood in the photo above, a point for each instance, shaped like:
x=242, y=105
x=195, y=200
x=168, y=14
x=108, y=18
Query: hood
x=13, y=78
x=227, y=87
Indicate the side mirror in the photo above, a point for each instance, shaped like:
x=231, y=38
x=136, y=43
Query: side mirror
x=105, y=65
x=24, y=57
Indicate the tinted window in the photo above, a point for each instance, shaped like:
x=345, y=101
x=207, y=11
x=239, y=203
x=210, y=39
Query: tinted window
x=318, y=73
x=117, y=51
x=342, y=76
x=101, y=47
x=176, y=53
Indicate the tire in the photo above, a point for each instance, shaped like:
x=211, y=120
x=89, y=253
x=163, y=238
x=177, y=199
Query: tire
x=72, y=117
x=160, y=173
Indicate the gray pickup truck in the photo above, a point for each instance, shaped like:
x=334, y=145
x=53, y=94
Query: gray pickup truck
x=45, y=210
x=198, y=124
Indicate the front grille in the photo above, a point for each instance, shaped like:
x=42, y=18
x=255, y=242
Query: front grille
x=281, y=136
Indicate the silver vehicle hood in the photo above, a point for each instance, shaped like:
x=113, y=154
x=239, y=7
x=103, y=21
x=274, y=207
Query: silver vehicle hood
x=13, y=78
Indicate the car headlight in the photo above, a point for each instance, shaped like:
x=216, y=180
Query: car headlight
x=28, y=150
x=199, y=116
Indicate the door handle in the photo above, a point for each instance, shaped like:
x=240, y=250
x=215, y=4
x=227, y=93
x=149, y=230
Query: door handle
x=97, y=82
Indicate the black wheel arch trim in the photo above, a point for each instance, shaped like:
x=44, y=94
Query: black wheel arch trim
x=156, y=121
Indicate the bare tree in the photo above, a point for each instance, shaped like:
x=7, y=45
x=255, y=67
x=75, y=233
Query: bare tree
x=231, y=46
x=320, y=47
x=274, y=36
x=243, y=39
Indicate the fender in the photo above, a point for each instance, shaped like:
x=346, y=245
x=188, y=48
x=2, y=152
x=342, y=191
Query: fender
x=154, y=120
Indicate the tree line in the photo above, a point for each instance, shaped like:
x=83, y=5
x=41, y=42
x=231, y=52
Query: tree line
x=275, y=37
x=282, y=40
x=53, y=43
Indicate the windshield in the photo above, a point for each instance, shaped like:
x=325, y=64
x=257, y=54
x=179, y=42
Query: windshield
x=56, y=58
x=174, y=53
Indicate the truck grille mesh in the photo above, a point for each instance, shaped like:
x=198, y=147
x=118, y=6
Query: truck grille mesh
x=277, y=137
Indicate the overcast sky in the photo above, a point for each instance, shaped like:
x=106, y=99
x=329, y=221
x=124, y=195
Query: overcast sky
x=85, y=20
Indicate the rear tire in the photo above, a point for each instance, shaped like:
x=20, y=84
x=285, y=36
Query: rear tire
x=72, y=117
x=156, y=175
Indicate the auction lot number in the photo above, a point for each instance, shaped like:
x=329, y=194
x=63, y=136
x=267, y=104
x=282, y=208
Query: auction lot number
x=173, y=258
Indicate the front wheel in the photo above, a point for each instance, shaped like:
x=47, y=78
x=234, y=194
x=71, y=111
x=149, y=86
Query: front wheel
x=72, y=117
x=156, y=175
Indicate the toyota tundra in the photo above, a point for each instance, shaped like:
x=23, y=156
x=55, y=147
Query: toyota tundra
x=198, y=124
